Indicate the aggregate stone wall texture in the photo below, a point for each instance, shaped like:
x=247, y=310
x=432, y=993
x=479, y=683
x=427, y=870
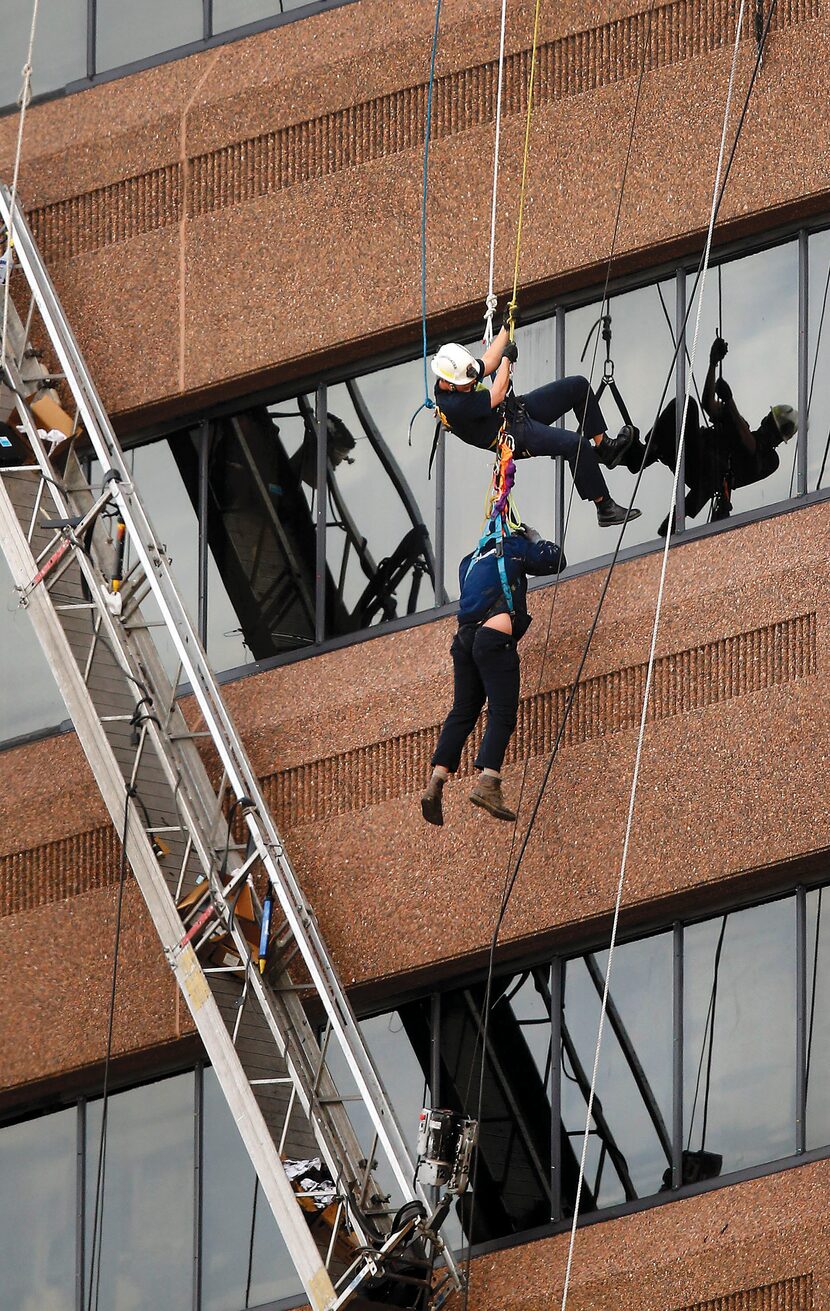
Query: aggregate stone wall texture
x=735, y=756
x=174, y=206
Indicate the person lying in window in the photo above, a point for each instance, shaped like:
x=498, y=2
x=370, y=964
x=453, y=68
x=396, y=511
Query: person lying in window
x=720, y=458
x=475, y=412
x=492, y=619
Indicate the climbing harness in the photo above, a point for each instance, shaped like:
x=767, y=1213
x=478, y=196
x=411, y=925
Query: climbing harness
x=492, y=542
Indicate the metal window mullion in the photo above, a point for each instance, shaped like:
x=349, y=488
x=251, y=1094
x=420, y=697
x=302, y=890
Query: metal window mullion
x=91, y=37
x=677, y=1057
x=680, y=393
x=441, y=595
x=321, y=429
x=801, y=1019
x=207, y=19
x=80, y=1203
x=559, y=465
x=802, y=452
x=556, y=1088
x=198, y=1162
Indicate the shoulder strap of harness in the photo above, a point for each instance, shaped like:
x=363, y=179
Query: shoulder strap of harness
x=494, y=532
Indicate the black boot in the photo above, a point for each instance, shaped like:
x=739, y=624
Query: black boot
x=612, y=449
x=609, y=513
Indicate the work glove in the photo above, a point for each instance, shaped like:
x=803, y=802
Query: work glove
x=718, y=350
x=531, y=534
x=475, y=372
x=505, y=323
x=722, y=390
x=511, y=352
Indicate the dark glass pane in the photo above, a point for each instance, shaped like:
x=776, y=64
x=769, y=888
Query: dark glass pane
x=236, y=13
x=642, y=345
x=260, y=529
x=469, y=471
x=629, y=1146
x=60, y=45
x=146, y=1247
x=29, y=698
x=124, y=35
x=245, y=1261
x=380, y=507
x=514, y=1158
x=818, y=363
x=759, y=320
x=818, y=1018
x=38, y=1205
x=739, y=1040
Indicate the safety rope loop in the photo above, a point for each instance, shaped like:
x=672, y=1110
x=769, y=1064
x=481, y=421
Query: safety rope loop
x=23, y=101
x=491, y=299
x=526, y=154
x=427, y=135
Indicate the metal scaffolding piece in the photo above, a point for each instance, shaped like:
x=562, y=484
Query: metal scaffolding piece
x=201, y=840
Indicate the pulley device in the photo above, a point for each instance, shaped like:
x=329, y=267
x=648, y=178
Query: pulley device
x=609, y=382
x=445, y=1149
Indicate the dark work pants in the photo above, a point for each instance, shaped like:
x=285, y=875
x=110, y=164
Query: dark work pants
x=486, y=667
x=547, y=404
x=705, y=468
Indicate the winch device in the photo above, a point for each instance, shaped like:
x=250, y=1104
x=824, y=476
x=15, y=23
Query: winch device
x=445, y=1148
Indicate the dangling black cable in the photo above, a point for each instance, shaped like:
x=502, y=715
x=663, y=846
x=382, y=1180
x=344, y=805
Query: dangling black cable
x=251, y=1244
x=98, y=1211
x=809, y=1052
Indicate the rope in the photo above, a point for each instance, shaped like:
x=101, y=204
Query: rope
x=511, y=309
x=491, y=302
x=427, y=403
x=98, y=1211
x=23, y=100
x=650, y=668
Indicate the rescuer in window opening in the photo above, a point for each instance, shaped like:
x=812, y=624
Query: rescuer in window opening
x=474, y=412
x=492, y=618
x=719, y=458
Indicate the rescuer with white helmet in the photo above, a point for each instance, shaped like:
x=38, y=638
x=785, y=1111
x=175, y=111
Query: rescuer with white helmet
x=475, y=413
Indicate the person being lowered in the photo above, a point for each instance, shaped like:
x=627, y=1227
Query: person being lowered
x=474, y=412
x=492, y=619
x=720, y=458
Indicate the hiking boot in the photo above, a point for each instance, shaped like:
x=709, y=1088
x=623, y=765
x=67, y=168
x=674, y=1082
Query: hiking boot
x=612, y=449
x=667, y=526
x=487, y=794
x=609, y=513
x=432, y=807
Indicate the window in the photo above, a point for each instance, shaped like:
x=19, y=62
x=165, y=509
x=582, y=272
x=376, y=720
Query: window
x=78, y=40
x=37, y=1203
x=122, y=40
x=815, y=388
x=30, y=698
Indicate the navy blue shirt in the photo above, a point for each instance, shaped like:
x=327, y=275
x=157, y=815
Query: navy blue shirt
x=482, y=594
x=470, y=415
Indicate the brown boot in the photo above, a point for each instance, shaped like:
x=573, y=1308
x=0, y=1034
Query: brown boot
x=431, y=800
x=487, y=794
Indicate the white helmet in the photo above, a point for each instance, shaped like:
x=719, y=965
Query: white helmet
x=452, y=363
x=786, y=420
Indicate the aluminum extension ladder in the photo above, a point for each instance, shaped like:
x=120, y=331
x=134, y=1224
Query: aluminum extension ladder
x=148, y=761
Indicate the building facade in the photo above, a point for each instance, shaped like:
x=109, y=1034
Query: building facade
x=230, y=202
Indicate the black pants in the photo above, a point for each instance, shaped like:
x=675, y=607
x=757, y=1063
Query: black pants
x=486, y=667
x=706, y=467
x=547, y=404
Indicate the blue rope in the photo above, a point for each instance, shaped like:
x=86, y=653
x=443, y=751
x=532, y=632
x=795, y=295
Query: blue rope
x=428, y=401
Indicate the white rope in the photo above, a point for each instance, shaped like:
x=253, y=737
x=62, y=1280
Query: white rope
x=654, y=633
x=23, y=101
x=491, y=301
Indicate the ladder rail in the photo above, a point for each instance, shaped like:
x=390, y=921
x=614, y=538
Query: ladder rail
x=241, y=775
